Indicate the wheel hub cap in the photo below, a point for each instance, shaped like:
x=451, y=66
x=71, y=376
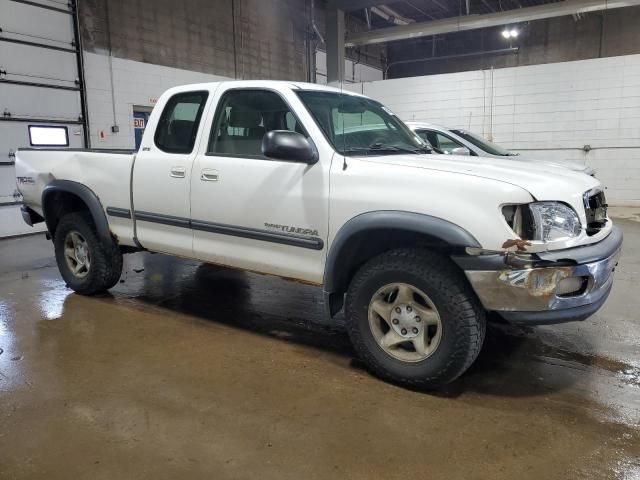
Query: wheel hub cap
x=404, y=322
x=76, y=254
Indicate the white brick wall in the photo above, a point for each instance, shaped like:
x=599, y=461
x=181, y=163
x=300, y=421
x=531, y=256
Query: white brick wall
x=544, y=111
x=135, y=83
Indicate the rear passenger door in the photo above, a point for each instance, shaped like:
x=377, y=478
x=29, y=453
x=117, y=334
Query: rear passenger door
x=162, y=174
x=250, y=211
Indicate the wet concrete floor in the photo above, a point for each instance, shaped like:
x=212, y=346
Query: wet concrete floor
x=187, y=370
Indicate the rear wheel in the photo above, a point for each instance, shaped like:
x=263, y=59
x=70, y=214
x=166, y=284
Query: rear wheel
x=86, y=264
x=413, y=318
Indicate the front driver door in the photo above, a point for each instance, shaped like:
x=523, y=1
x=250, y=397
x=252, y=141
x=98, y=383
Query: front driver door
x=253, y=212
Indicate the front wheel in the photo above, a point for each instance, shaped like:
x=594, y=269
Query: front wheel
x=86, y=264
x=413, y=318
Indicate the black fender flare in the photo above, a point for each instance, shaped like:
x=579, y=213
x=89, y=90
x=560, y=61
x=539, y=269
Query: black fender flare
x=85, y=194
x=443, y=231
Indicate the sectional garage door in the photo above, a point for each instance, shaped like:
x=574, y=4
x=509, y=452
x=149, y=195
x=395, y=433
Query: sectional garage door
x=40, y=87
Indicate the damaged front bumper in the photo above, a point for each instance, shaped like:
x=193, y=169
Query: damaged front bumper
x=546, y=287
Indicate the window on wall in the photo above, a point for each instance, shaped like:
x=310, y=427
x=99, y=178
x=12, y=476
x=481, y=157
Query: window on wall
x=242, y=119
x=48, y=136
x=178, y=125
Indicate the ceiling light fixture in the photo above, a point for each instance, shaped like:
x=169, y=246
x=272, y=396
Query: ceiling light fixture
x=510, y=33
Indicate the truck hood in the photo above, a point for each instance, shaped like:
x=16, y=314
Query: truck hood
x=544, y=181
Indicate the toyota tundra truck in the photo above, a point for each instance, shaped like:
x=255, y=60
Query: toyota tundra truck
x=329, y=187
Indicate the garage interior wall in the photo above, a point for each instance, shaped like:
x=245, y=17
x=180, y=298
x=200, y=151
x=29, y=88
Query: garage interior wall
x=550, y=111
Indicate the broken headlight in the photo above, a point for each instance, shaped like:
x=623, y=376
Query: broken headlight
x=543, y=221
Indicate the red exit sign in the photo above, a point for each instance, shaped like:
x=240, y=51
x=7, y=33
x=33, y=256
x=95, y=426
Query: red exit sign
x=138, y=123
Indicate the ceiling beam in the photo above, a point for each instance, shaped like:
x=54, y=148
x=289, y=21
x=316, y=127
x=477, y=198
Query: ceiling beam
x=351, y=5
x=474, y=22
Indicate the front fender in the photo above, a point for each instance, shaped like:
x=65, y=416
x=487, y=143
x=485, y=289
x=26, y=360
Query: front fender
x=437, y=231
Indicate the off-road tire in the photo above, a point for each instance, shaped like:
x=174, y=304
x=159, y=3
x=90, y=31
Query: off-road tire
x=462, y=317
x=106, y=260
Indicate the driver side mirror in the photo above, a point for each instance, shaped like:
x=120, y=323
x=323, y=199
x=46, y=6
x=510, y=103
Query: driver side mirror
x=288, y=146
x=460, y=151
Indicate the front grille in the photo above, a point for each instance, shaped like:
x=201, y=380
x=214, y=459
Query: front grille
x=595, y=206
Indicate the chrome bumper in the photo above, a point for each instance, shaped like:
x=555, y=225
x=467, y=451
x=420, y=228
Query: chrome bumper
x=535, y=288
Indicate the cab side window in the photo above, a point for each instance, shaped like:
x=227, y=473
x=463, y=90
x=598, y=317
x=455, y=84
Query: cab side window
x=423, y=135
x=447, y=144
x=242, y=119
x=178, y=125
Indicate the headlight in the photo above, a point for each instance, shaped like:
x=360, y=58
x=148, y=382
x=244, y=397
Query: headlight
x=543, y=221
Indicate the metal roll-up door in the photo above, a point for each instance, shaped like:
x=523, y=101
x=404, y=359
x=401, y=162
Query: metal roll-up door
x=41, y=87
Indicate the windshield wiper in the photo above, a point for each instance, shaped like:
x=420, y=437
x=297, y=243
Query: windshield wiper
x=377, y=148
x=380, y=147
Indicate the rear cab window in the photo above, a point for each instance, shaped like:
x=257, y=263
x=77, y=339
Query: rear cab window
x=178, y=125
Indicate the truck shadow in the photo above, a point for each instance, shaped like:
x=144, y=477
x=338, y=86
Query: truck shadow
x=514, y=362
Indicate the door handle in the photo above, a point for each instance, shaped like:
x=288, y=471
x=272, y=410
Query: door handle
x=209, y=175
x=177, y=172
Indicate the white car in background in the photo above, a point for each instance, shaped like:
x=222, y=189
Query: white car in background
x=453, y=141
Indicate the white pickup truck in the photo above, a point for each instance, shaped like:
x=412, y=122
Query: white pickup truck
x=329, y=187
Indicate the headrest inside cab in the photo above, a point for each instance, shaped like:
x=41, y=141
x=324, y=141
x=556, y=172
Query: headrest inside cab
x=244, y=118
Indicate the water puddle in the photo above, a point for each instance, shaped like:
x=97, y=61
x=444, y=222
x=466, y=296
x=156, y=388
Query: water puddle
x=52, y=297
x=624, y=371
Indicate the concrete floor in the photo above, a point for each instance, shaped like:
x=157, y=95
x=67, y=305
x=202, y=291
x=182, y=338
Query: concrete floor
x=190, y=371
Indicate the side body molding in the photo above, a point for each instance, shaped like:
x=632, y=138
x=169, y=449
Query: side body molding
x=85, y=194
x=437, y=231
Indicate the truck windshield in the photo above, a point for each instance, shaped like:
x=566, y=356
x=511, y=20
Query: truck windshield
x=485, y=145
x=360, y=126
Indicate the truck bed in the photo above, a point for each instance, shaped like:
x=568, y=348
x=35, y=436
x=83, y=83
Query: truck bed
x=107, y=172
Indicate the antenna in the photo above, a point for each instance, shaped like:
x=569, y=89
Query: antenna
x=344, y=156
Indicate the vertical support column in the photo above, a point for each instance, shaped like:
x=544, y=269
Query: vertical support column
x=77, y=44
x=335, y=43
